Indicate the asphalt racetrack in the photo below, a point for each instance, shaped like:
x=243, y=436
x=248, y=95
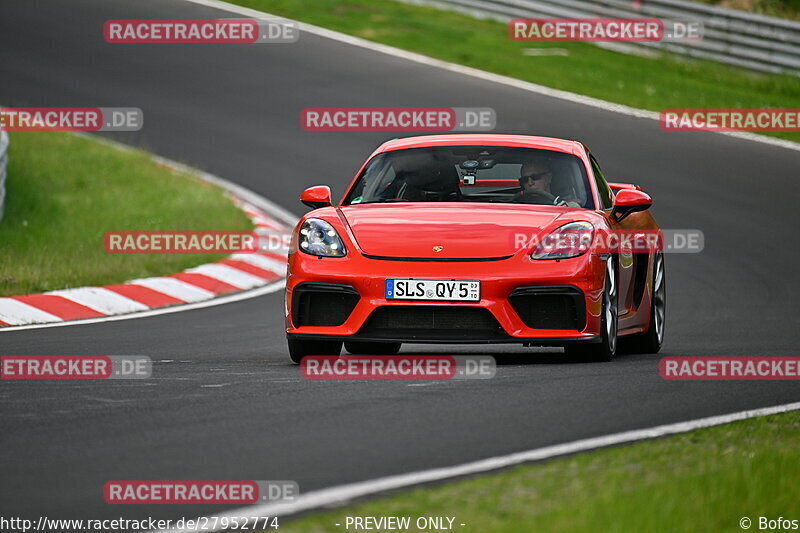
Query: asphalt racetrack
x=226, y=403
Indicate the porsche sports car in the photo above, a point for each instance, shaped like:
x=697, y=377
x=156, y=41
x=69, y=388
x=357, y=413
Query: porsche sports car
x=475, y=239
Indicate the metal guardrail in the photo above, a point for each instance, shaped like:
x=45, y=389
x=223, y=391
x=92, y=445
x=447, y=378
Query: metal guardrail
x=3, y=162
x=730, y=36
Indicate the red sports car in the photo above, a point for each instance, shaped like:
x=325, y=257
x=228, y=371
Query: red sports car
x=475, y=239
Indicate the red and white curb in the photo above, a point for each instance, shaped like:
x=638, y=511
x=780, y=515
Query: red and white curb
x=238, y=272
x=237, y=277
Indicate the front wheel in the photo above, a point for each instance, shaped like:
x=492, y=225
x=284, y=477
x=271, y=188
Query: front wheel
x=299, y=348
x=650, y=342
x=605, y=349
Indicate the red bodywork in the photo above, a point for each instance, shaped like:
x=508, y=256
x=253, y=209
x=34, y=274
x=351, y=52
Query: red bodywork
x=396, y=241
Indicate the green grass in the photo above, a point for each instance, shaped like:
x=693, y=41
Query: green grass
x=64, y=192
x=654, y=84
x=787, y=9
x=703, y=481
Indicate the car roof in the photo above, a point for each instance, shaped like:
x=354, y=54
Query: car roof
x=478, y=139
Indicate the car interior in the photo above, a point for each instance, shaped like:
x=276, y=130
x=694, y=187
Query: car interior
x=467, y=174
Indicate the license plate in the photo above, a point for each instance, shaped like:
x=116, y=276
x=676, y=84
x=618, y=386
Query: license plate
x=433, y=289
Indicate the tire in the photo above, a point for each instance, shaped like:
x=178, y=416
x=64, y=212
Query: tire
x=604, y=350
x=651, y=341
x=299, y=348
x=372, y=348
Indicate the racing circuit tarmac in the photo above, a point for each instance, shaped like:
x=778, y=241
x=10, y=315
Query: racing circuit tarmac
x=226, y=403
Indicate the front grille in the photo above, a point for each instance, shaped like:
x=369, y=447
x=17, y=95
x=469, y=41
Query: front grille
x=550, y=307
x=451, y=323
x=322, y=304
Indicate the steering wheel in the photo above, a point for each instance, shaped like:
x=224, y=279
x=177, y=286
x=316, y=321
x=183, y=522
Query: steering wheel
x=535, y=196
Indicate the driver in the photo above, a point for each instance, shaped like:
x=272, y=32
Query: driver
x=535, y=177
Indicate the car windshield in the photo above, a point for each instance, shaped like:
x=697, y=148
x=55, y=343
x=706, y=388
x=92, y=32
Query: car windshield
x=474, y=174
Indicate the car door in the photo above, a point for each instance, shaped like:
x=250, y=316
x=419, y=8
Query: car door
x=627, y=259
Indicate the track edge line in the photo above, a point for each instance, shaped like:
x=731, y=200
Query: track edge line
x=342, y=494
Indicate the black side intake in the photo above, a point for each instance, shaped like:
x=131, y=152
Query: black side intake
x=550, y=307
x=322, y=304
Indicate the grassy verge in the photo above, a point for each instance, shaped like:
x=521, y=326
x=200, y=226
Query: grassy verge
x=654, y=84
x=702, y=481
x=64, y=192
x=787, y=9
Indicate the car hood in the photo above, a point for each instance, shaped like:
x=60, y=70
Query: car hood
x=462, y=230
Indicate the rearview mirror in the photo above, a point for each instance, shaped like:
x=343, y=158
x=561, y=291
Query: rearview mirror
x=316, y=196
x=630, y=201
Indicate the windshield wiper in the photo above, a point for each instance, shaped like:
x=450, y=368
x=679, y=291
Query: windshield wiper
x=383, y=200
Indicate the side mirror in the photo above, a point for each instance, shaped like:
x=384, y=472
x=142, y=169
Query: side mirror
x=317, y=196
x=616, y=187
x=630, y=201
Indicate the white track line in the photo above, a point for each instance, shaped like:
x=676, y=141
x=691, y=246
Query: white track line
x=476, y=73
x=344, y=493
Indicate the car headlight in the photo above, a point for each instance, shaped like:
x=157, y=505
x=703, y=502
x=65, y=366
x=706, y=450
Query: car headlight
x=570, y=240
x=317, y=237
